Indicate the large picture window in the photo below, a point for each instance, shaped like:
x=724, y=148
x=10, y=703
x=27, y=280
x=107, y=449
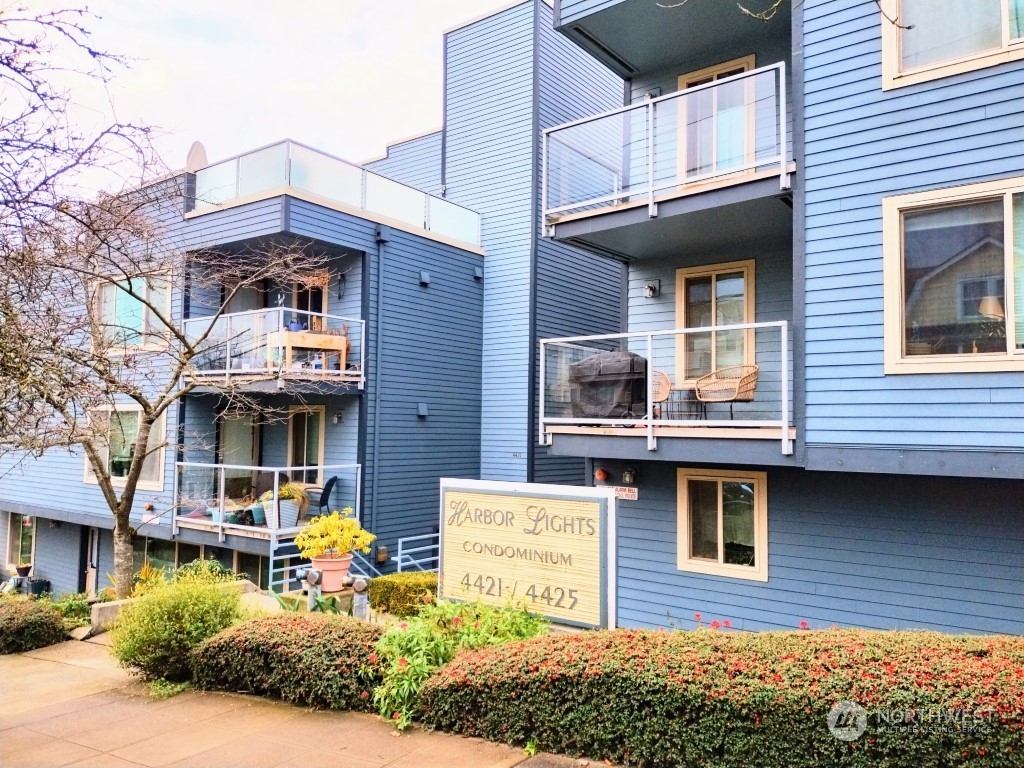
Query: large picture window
x=709, y=296
x=123, y=316
x=21, y=539
x=954, y=279
x=926, y=39
x=723, y=523
x=120, y=429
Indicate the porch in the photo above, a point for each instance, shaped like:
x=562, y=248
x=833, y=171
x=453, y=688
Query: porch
x=730, y=382
x=278, y=344
x=719, y=142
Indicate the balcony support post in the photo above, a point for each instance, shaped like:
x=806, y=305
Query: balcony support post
x=652, y=207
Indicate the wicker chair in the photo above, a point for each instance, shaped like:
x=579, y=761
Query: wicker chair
x=726, y=385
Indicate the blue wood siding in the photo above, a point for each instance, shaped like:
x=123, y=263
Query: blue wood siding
x=863, y=144
x=773, y=300
x=574, y=10
x=575, y=292
x=842, y=549
x=416, y=162
x=490, y=156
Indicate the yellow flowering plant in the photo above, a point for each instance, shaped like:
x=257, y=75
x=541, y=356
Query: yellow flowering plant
x=337, y=533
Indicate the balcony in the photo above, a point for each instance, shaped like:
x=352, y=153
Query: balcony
x=235, y=500
x=722, y=143
x=277, y=345
x=289, y=167
x=654, y=387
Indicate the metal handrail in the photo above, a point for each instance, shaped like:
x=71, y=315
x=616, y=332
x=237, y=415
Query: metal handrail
x=647, y=337
x=650, y=105
x=404, y=554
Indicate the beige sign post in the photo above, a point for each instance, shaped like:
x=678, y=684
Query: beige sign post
x=545, y=545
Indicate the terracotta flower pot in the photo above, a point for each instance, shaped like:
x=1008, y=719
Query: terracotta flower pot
x=335, y=569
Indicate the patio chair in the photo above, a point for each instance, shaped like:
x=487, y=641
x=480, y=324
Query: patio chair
x=726, y=385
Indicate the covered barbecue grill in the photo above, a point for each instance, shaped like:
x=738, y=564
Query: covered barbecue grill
x=609, y=385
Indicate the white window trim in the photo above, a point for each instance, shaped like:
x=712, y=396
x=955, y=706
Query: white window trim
x=10, y=529
x=163, y=335
x=89, y=478
x=893, y=289
x=748, y=267
x=760, y=482
x=892, y=77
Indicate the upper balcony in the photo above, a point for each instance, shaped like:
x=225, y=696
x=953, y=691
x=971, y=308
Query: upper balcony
x=717, y=151
x=271, y=346
x=291, y=168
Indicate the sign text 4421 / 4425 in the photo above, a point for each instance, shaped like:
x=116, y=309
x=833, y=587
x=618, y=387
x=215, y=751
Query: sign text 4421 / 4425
x=549, y=595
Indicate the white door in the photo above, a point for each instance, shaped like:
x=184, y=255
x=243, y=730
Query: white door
x=92, y=561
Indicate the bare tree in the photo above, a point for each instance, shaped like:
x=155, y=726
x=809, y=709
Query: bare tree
x=69, y=359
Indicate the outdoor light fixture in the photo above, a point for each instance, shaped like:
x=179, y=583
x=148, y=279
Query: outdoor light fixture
x=341, y=285
x=628, y=476
x=600, y=475
x=652, y=289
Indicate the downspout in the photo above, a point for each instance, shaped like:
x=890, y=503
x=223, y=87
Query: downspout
x=378, y=344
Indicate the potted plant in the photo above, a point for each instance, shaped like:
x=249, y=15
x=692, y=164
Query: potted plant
x=329, y=540
x=290, y=505
x=22, y=569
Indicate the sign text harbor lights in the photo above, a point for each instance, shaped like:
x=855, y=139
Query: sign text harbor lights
x=548, y=545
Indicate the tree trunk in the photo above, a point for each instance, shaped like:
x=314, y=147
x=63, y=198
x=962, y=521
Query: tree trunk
x=124, y=566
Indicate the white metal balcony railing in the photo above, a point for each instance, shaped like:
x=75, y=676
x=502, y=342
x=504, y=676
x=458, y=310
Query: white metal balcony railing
x=573, y=391
x=289, y=164
x=279, y=343
x=227, y=498
x=726, y=129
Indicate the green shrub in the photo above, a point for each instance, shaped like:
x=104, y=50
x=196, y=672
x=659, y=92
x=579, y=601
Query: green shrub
x=28, y=624
x=411, y=650
x=402, y=594
x=723, y=699
x=210, y=569
x=317, y=660
x=155, y=633
x=74, y=607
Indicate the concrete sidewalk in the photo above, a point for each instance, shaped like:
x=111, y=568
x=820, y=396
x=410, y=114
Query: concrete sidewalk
x=70, y=704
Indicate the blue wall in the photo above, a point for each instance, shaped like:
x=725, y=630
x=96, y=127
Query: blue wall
x=573, y=10
x=863, y=144
x=842, y=549
x=416, y=162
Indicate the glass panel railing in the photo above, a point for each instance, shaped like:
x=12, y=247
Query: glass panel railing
x=326, y=176
x=627, y=378
x=238, y=498
x=217, y=184
x=271, y=343
x=452, y=220
x=728, y=128
x=394, y=200
x=263, y=170
x=291, y=164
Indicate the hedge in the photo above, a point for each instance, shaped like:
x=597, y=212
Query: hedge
x=401, y=594
x=317, y=660
x=29, y=624
x=743, y=699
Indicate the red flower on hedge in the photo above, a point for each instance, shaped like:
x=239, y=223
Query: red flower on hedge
x=804, y=625
x=697, y=617
x=373, y=658
x=364, y=695
x=726, y=623
x=456, y=620
x=403, y=662
x=714, y=624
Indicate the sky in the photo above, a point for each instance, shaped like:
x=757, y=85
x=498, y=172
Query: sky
x=345, y=76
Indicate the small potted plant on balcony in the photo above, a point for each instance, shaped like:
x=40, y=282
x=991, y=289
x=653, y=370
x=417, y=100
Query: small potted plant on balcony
x=329, y=541
x=22, y=569
x=290, y=505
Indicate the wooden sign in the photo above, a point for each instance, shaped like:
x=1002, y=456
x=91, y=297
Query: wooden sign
x=545, y=545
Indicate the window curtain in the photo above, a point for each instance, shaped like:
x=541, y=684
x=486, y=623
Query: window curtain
x=941, y=30
x=1018, y=269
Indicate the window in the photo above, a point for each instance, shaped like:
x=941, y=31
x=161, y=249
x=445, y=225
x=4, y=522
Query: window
x=21, y=539
x=937, y=38
x=709, y=296
x=954, y=279
x=723, y=523
x=716, y=124
x=124, y=319
x=120, y=427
